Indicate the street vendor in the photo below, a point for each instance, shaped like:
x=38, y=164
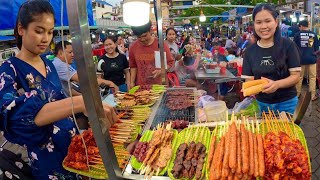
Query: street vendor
x=272, y=58
x=142, y=57
x=34, y=111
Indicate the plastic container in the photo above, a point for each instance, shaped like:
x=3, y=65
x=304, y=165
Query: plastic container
x=215, y=111
x=223, y=70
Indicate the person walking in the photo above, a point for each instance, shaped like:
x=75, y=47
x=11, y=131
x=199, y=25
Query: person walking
x=308, y=43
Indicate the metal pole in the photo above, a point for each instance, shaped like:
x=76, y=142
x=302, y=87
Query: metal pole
x=81, y=43
x=209, y=5
x=158, y=14
x=312, y=15
x=197, y=17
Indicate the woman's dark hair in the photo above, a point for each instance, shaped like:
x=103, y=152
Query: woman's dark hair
x=231, y=51
x=139, y=30
x=59, y=47
x=114, y=39
x=169, y=29
x=28, y=13
x=278, y=41
x=185, y=42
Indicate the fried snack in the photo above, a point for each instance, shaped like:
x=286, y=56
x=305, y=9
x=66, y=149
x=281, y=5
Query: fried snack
x=253, y=87
x=128, y=102
x=248, y=84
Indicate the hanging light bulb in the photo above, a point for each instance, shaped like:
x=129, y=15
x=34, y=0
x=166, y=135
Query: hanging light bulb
x=202, y=17
x=294, y=19
x=93, y=36
x=196, y=27
x=103, y=31
x=136, y=12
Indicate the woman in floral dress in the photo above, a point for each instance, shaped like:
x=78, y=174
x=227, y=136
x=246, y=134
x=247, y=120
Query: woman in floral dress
x=34, y=111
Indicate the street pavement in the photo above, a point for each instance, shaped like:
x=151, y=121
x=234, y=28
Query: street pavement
x=311, y=128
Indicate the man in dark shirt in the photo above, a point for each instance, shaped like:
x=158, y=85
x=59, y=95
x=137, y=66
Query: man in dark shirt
x=308, y=43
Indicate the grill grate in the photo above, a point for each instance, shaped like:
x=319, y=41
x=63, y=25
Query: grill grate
x=164, y=113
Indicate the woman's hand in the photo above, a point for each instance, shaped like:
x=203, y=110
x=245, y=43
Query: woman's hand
x=111, y=116
x=156, y=73
x=113, y=85
x=271, y=87
x=131, y=85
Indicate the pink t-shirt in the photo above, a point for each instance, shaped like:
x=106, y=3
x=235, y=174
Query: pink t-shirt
x=142, y=58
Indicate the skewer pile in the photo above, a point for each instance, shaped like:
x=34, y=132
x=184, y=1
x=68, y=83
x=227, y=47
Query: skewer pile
x=159, y=152
x=144, y=97
x=178, y=100
x=124, y=131
x=177, y=124
x=190, y=156
x=285, y=156
x=77, y=157
x=140, y=114
x=239, y=154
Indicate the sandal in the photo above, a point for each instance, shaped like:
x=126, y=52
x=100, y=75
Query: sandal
x=314, y=98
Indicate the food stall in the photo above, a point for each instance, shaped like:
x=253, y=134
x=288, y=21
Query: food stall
x=174, y=144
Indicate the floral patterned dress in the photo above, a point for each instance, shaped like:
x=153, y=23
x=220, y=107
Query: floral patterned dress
x=23, y=92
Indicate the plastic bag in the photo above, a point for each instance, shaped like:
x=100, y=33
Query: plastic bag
x=242, y=105
x=203, y=100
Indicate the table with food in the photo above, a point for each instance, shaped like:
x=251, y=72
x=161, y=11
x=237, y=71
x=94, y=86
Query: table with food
x=180, y=133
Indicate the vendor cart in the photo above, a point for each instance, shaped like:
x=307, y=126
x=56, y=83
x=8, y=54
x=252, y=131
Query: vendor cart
x=169, y=106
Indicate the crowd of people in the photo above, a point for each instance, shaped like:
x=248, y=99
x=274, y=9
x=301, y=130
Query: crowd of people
x=36, y=106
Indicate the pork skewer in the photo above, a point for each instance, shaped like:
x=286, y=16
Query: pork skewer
x=239, y=167
x=212, y=146
x=260, y=153
x=225, y=165
x=244, y=149
x=233, y=147
x=255, y=152
x=251, y=157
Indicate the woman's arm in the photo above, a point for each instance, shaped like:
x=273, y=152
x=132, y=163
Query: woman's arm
x=290, y=81
x=107, y=82
x=55, y=111
x=133, y=74
x=127, y=76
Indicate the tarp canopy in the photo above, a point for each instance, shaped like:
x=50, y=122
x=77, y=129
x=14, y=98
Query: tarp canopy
x=6, y=38
x=9, y=10
x=240, y=12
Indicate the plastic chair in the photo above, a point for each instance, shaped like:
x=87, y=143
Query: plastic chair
x=173, y=79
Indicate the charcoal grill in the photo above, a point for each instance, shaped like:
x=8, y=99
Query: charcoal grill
x=162, y=113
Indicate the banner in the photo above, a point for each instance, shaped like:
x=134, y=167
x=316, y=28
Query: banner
x=9, y=11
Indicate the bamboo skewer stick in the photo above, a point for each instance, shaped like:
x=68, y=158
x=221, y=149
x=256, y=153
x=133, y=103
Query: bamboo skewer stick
x=188, y=134
x=267, y=122
x=293, y=127
x=277, y=121
x=96, y=162
x=288, y=128
x=195, y=134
